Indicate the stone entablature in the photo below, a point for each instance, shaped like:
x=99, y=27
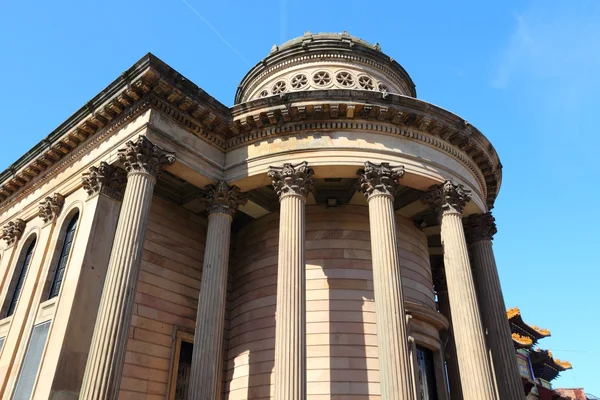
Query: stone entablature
x=391, y=114
x=150, y=83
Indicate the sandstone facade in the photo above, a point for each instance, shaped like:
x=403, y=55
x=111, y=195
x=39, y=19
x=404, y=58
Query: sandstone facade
x=306, y=243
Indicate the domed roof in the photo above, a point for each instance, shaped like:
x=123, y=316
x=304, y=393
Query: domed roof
x=324, y=61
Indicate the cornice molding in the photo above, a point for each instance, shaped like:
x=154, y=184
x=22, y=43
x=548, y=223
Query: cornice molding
x=370, y=111
x=149, y=83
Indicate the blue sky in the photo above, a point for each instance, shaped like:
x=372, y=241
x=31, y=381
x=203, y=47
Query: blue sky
x=524, y=72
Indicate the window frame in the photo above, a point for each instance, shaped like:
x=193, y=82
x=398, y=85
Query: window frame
x=17, y=274
x=73, y=218
x=180, y=336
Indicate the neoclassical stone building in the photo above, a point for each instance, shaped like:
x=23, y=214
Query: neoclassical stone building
x=327, y=237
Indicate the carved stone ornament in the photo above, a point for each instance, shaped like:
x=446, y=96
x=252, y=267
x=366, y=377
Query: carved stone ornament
x=51, y=207
x=480, y=227
x=144, y=156
x=447, y=197
x=106, y=179
x=222, y=198
x=13, y=231
x=292, y=179
x=378, y=179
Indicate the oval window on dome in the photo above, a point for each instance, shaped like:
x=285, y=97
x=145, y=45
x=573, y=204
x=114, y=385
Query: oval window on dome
x=278, y=87
x=299, y=81
x=264, y=93
x=322, y=78
x=345, y=79
x=366, y=82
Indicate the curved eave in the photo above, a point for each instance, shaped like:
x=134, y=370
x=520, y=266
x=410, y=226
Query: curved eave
x=255, y=119
x=532, y=331
x=320, y=43
x=522, y=342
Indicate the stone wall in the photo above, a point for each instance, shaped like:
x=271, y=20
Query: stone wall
x=341, y=333
x=166, y=298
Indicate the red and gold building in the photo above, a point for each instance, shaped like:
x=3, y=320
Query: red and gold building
x=538, y=368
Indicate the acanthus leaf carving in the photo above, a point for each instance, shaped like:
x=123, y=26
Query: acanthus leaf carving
x=447, y=197
x=144, y=156
x=51, y=207
x=480, y=227
x=106, y=179
x=292, y=179
x=222, y=198
x=379, y=179
x=13, y=231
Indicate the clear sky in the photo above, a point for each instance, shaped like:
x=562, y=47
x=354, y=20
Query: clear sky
x=526, y=73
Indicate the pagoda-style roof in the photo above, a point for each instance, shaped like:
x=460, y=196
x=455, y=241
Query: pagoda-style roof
x=524, y=335
x=545, y=366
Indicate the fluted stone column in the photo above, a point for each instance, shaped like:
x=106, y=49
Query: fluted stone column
x=379, y=183
x=144, y=162
x=479, y=230
x=476, y=377
x=292, y=184
x=205, y=378
x=452, y=372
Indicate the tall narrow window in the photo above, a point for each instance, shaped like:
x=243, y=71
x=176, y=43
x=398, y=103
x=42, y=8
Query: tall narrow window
x=426, y=385
x=31, y=363
x=22, y=271
x=64, y=257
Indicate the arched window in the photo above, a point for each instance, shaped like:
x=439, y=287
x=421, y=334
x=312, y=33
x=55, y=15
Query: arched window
x=64, y=257
x=22, y=271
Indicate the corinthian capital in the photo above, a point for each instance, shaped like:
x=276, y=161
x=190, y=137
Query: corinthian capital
x=378, y=179
x=51, y=207
x=222, y=198
x=292, y=179
x=144, y=156
x=106, y=179
x=480, y=227
x=13, y=231
x=447, y=197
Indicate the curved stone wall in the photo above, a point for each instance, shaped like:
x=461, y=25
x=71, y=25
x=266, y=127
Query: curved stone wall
x=341, y=334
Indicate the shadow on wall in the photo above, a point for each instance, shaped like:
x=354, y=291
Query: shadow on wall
x=341, y=331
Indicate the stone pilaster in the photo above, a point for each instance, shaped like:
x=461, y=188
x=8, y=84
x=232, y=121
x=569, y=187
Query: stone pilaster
x=292, y=183
x=205, y=379
x=50, y=207
x=105, y=179
x=379, y=183
x=13, y=231
x=476, y=377
x=479, y=230
x=143, y=161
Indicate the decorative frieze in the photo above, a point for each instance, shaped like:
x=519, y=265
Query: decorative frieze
x=51, y=207
x=144, y=156
x=379, y=179
x=480, y=227
x=447, y=197
x=292, y=179
x=106, y=179
x=222, y=198
x=13, y=231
